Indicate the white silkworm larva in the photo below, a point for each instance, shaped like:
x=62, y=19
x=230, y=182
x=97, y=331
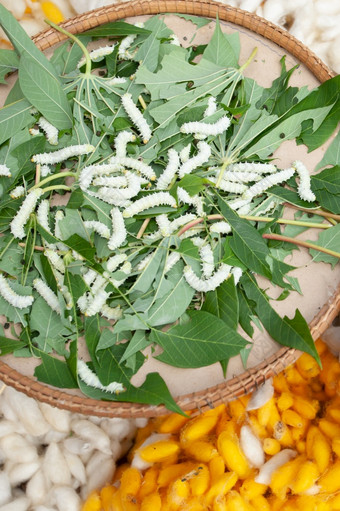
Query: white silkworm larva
x=57, y=232
x=207, y=258
x=113, y=262
x=112, y=313
x=126, y=268
x=195, y=201
x=136, y=117
x=55, y=260
x=164, y=225
x=239, y=177
x=42, y=215
x=267, y=182
x=237, y=272
x=47, y=294
x=62, y=154
x=95, y=303
x=261, y=168
x=121, y=142
x=170, y=170
x=7, y=293
x=204, y=128
x=89, y=276
x=150, y=201
x=220, y=227
x=203, y=155
x=211, y=108
x=185, y=153
x=144, y=262
x=111, y=181
x=115, y=80
x=205, y=285
x=119, y=234
x=98, y=227
x=123, y=52
x=304, y=189
x=119, y=196
x=91, y=379
x=172, y=259
x=50, y=131
x=97, y=55
x=22, y=216
x=45, y=170
x=132, y=163
x=230, y=186
x=17, y=192
x=4, y=171
x=181, y=220
x=88, y=173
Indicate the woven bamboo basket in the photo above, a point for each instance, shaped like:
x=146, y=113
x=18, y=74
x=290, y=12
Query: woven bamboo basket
x=245, y=381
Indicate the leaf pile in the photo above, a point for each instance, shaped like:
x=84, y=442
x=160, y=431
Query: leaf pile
x=170, y=87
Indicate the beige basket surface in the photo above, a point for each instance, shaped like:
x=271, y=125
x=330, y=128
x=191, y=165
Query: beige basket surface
x=266, y=35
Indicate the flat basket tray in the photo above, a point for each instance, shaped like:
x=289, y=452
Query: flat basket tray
x=205, y=387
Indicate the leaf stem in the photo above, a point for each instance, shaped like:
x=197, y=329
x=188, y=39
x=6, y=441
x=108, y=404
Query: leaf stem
x=52, y=178
x=56, y=187
x=77, y=41
x=248, y=61
x=142, y=102
x=319, y=212
x=284, y=221
x=301, y=243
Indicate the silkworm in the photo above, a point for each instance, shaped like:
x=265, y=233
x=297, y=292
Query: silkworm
x=19, y=221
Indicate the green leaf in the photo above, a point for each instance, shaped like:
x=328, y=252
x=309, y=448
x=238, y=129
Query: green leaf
x=290, y=196
x=196, y=20
x=289, y=332
x=223, y=49
x=332, y=154
x=116, y=28
x=10, y=345
x=326, y=186
x=245, y=313
x=329, y=239
x=205, y=340
x=48, y=323
x=247, y=243
x=171, y=306
x=42, y=88
x=13, y=118
x=286, y=129
x=8, y=62
x=171, y=79
x=12, y=313
x=148, y=275
x=223, y=303
x=193, y=184
x=83, y=247
x=138, y=342
x=55, y=372
x=148, y=51
x=164, y=113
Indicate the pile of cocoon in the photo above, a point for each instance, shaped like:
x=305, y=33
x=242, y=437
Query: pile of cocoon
x=276, y=450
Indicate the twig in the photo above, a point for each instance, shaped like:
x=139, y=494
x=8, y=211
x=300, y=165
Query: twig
x=301, y=243
x=284, y=221
x=37, y=173
x=143, y=227
x=36, y=247
x=319, y=212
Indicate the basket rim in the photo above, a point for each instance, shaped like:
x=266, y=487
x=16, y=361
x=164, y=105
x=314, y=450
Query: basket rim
x=250, y=379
